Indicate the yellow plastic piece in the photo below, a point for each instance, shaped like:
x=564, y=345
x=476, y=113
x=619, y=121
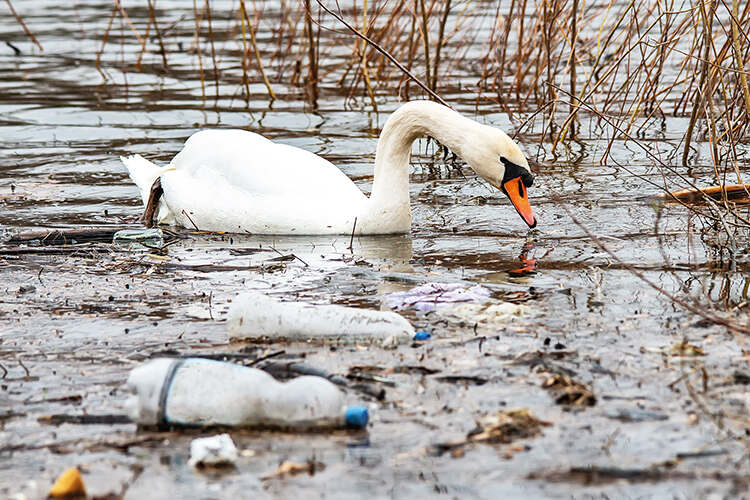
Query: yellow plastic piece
x=69, y=484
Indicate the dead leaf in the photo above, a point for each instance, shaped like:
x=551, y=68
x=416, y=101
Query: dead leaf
x=501, y=427
x=507, y=426
x=569, y=391
x=685, y=348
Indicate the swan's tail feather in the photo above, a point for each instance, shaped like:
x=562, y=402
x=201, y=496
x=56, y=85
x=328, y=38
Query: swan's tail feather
x=143, y=172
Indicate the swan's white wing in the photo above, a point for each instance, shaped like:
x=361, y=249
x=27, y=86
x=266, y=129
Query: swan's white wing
x=257, y=166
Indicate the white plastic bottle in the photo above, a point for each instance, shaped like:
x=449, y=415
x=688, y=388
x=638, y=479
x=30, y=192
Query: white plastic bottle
x=252, y=314
x=197, y=391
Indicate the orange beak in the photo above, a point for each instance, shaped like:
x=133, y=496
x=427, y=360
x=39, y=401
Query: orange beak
x=516, y=191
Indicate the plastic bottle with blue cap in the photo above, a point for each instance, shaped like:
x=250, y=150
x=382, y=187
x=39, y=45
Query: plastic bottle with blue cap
x=200, y=392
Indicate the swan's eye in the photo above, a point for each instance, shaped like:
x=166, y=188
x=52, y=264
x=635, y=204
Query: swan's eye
x=513, y=171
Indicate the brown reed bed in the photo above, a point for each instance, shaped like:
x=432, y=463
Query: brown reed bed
x=634, y=62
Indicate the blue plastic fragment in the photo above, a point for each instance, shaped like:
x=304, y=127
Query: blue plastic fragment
x=357, y=416
x=422, y=335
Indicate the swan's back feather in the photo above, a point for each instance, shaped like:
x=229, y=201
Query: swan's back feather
x=238, y=181
x=258, y=166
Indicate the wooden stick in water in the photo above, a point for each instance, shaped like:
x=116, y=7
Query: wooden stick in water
x=733, y=191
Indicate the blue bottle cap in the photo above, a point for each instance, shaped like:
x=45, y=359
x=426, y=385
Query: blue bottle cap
x=357, y=416
x=422, y=335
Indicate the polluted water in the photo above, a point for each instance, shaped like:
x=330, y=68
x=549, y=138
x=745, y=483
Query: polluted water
x=573, y=374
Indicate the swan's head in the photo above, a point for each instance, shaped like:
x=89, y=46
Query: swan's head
x=499, y=160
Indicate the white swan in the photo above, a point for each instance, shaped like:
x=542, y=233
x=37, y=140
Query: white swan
x=237, y=181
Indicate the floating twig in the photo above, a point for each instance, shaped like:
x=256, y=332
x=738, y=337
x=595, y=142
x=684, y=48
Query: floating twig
x=351, y=240
x=65, y=236
x=267, y=356
x=84, y=419
x=731, y=191
x=20, y=362
x=190, y=219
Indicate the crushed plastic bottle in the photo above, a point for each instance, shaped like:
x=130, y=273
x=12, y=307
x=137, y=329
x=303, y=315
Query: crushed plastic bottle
x=131, y=238
x=253, y=314
x=201, y=392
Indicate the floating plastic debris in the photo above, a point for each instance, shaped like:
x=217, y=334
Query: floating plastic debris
x=201, y=392
x=255, y=315
x=68, y=485
x=130, y=238
x=213, y=451
x=7, y=234
x=488, y=314
x=433, y=296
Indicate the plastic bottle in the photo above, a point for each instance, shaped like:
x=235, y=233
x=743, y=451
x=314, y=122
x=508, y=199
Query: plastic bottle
x=133, y=238
x=252, y=314
x=195, y=392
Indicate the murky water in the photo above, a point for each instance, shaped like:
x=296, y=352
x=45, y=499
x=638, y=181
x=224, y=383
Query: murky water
x=73, y=325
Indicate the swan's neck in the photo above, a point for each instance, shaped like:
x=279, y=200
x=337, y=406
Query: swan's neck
x=390, y=190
